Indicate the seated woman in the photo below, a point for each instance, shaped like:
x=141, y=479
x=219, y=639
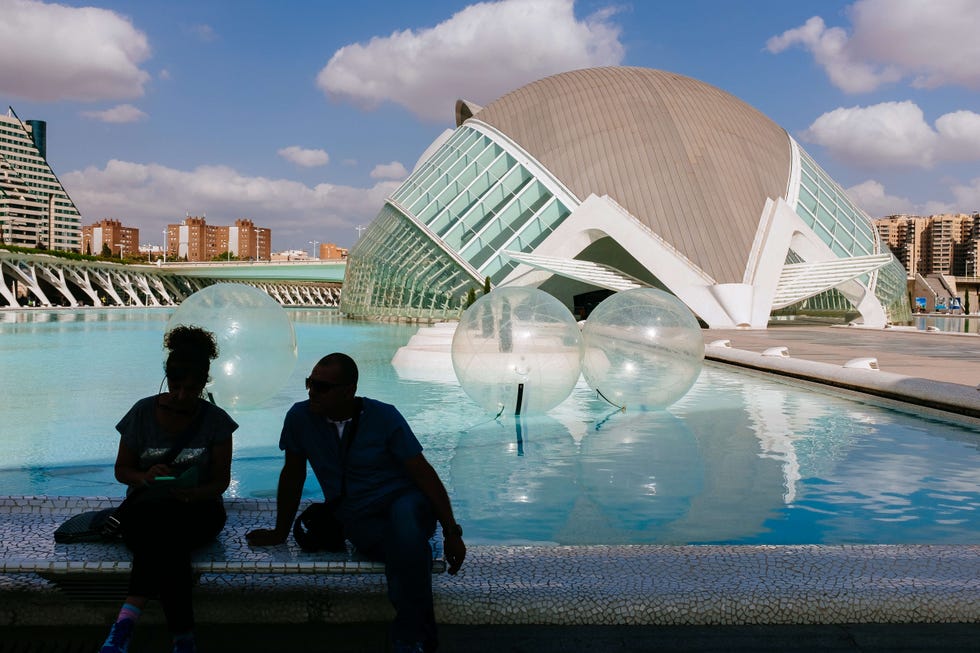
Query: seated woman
x=179, y=506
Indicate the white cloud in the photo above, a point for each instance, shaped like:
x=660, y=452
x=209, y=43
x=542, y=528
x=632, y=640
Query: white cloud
x=118, y=114
x=896, y=134
x=478, y=54
x=933, y=43
x=203, y=32
x=150, y=196
x=393, y=170
x=936, y=42
x=871, y=196
x=959, y=134
x=304, y=157
x=51, y=52
x=829, y=48
x=968, y=195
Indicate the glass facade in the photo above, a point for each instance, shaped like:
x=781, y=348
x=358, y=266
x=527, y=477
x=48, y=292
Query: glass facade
x=444, y=231
x=848, y=231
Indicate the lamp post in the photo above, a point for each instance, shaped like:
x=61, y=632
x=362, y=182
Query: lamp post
x=313, y=251
x=121, y=251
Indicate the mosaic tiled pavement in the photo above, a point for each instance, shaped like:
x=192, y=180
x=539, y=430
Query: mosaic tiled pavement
x=558, y=585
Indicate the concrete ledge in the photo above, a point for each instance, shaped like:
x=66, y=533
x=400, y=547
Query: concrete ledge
x=951, y=398
x=600, y=585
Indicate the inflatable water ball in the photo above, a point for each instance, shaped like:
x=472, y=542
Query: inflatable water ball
x=642, y=349
x=517, y=350
x=256, y=341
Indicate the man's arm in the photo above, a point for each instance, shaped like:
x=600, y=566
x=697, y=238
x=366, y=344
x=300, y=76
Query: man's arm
x=431, y=485
x=291, y=480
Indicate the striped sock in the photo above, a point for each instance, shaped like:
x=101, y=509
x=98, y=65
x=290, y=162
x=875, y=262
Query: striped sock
x=129, y=611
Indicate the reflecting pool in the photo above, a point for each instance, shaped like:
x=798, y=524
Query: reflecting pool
x=739, y=459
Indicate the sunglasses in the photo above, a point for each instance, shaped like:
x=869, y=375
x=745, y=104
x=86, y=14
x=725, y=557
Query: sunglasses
x=323, y=386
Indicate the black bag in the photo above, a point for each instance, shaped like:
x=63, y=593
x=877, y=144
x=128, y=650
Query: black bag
x=318, y=529
x=86, y=527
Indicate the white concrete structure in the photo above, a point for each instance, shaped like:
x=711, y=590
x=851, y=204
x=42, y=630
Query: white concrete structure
x=612, y=178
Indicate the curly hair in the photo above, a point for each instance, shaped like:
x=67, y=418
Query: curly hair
x=191, y=351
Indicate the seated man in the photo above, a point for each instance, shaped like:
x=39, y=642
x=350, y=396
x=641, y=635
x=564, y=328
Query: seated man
x=365, y=455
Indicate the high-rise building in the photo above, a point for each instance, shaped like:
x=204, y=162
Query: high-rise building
x=35, y=209
x=121, y=241
x=246, y=241
x=599, y=180
x=195, y=240
x=946, y=243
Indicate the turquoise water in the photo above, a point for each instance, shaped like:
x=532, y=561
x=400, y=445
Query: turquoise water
x=739, y=459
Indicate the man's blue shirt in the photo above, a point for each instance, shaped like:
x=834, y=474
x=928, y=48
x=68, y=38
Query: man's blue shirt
x=375, y=463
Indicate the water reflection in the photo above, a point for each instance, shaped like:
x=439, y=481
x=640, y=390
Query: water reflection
x=738, y=459
x=948, y=323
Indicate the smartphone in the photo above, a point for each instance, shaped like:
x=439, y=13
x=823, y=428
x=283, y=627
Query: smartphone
x=164, y=478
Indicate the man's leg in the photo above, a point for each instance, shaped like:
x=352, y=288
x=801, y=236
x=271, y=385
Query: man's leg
x=402, y=542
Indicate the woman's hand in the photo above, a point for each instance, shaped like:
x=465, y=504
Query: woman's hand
x=152, y=473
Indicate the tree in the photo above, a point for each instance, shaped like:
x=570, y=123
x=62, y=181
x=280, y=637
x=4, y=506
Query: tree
x=470, y=297
x=106, y=252
x=486, y=286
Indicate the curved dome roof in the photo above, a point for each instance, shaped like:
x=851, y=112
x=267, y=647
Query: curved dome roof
x=692, y=162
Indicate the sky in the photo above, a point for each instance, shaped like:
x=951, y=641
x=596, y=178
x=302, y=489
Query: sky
x=304, y=115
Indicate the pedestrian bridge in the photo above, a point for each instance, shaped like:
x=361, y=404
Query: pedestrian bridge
x=29, y=279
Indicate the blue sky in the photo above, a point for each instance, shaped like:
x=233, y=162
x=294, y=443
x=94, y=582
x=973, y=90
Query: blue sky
x=305, y=115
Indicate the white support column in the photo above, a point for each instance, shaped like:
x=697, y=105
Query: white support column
x=161, y=290
x=104, y=280
x=7, y=291
x=81, y=279
x=126, y=283
x=55, y=275
x=28, y=277
x=144, y=285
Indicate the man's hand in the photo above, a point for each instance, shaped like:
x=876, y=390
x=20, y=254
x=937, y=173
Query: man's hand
x=265, y=537
x=455, y=550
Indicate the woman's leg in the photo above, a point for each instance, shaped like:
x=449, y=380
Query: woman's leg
x=162, y=539
x=203, y=522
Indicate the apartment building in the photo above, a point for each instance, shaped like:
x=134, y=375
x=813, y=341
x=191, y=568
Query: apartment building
x=195, y=240
x=35, y=209
x=938, y=244
x=121, y=241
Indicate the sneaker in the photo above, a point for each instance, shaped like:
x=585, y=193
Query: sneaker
x=185, y=645
x=119, y=636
